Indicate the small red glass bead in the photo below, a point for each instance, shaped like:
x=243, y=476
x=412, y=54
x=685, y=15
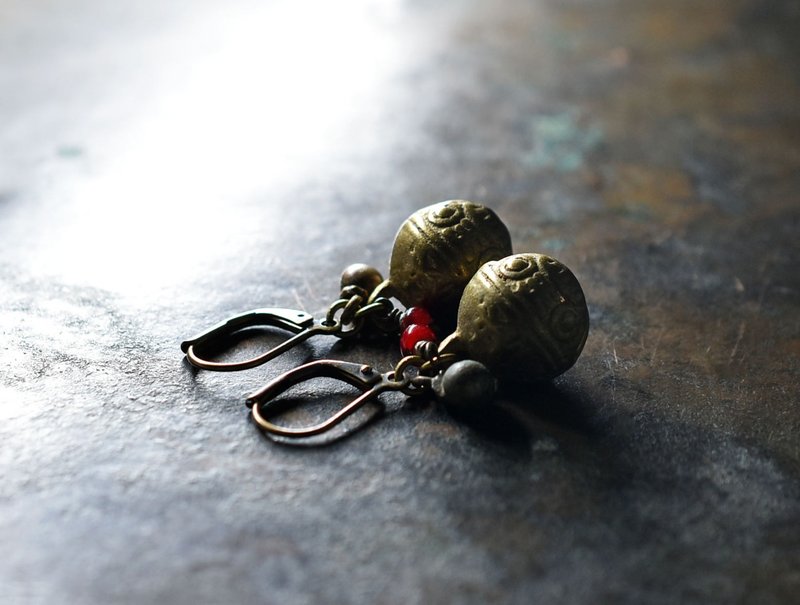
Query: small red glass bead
x=414, y=334
x=415, y=315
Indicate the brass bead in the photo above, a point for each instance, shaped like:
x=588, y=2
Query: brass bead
x=361, y=275
x=438, y=249
x=524, y=317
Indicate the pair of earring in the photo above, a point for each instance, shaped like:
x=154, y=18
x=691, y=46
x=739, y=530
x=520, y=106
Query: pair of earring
x=518, y=318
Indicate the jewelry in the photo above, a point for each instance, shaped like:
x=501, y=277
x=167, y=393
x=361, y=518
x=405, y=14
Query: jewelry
x=519, y=318
x=435, y=253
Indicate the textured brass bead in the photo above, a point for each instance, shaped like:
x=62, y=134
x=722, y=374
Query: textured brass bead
x=438, y=249
x=524, y=317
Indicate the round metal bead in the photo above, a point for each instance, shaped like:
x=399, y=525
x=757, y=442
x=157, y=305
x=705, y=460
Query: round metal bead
x=466, y=384
x=361, y=275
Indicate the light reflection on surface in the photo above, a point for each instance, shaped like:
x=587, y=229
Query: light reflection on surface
x=242, y=105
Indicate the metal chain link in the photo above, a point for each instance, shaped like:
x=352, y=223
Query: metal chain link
x=417, y=372
x=347, y=316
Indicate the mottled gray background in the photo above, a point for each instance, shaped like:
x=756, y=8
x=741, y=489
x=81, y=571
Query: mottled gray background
x=163, y=165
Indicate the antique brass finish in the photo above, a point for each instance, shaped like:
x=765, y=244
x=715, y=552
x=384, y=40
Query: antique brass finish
x=439, y=248
x=364, y=276
x=524, y=317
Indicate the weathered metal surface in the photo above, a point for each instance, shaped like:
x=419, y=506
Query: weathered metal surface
x=167, y=164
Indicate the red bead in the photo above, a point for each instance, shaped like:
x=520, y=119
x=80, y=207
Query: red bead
x=414, y=334
x=415, y=315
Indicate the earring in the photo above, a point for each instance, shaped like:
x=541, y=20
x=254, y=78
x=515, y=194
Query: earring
x=520, y=319
x=435, y=253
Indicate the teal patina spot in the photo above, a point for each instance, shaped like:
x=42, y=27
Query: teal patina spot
x=69, y=151
x=553, y=244
x=636, y=211
x=560, y=142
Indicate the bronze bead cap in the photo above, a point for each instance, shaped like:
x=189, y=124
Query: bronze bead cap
x=518, y=318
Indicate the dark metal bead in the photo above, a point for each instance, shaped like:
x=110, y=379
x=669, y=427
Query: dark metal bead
x=466, y=384
x=361, y=275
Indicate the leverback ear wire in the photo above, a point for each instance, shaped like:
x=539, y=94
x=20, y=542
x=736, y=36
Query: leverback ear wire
x=363, y=377
x=345, y=318
x=413, y=375
x=296, y=322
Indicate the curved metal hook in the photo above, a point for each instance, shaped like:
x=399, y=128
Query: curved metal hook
x=297, y=322
x=370, y=382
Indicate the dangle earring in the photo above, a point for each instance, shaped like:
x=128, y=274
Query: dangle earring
x=520, y=319
x=435, y=253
